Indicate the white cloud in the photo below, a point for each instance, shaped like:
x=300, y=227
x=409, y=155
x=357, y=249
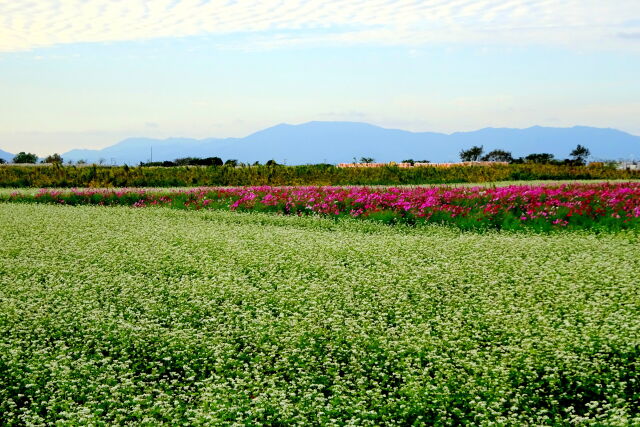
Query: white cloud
x=28, y=24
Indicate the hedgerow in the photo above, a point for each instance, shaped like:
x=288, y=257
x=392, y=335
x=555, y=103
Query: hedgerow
x=14, y=176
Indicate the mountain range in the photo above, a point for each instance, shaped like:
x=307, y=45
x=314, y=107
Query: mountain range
x=335, y=142
x=6, y=156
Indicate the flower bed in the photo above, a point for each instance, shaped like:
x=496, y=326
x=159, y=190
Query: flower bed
x=543, y=207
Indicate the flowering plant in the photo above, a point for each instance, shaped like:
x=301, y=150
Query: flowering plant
x=541, y=207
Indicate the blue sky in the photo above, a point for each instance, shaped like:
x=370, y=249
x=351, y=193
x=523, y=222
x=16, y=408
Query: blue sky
x=86, y=74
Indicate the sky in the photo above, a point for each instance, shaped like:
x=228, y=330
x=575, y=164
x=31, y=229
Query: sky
x=89, y=73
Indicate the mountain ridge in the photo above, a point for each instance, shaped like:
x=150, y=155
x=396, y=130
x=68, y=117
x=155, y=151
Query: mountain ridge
x=336, y=142
x=6, y=156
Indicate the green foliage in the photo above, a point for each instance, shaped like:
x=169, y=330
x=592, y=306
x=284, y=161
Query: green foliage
x=473, y=154
x=186, y=161
x=23, y=157
x=543, y=158
x=159, y=316
x=498, y=156
x=53, y=158
x=599, y=207
x=413, y=162
x=323, y=174
x=580, y=154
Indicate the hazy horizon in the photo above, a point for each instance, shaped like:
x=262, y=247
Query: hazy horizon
x=172, y=137
x=88, y=74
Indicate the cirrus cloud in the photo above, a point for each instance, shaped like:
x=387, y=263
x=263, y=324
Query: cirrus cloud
x=27, y=25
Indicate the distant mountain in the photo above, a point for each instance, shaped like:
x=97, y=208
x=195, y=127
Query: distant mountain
x=135, y=150
x=6, y=156
x=335, y=142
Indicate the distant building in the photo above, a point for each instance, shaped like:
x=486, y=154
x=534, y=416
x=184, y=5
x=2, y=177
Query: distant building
x=630, y=166
x=417, y=165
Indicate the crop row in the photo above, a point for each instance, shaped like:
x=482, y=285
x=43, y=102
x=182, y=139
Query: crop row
x=14, y=176
x=126, y=316
x=543, y=207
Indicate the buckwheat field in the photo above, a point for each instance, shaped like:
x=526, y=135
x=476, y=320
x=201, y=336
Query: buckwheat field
x=149, y=316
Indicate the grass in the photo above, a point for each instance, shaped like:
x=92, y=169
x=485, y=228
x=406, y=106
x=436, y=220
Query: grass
x=96, y=176
x=8, y=191
x=151, y=316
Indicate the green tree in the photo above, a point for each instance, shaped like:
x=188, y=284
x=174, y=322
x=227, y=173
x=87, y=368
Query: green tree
x=412, y=162
x=231, y=162
x=542, y=158
x=185, y=161
x=367, y=160
x=473, y=154
x=53, y=158
x=580, y=154
x=2, y=161
x=498, y=156
x=23, y=157
x=197, y=161
x=213, y=161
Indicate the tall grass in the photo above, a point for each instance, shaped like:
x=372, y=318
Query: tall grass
x=124, y=176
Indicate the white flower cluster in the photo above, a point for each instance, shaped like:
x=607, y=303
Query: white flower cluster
x=112, y=316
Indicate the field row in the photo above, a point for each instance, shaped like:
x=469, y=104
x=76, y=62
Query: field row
x=159, y=316
x=15, y=176
x=605, y=206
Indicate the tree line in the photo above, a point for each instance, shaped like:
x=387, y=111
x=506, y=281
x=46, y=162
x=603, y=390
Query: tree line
x=578, y=157
x=207, y=161
x=30, y=158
